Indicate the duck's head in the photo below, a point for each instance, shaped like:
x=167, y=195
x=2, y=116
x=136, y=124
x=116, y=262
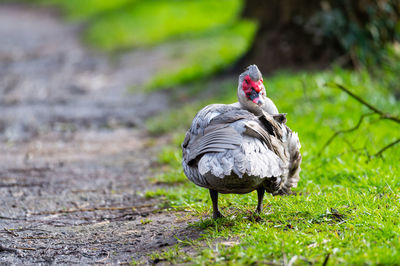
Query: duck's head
x=251, y=91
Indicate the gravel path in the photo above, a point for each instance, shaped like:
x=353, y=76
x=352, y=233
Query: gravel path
x=73, y=156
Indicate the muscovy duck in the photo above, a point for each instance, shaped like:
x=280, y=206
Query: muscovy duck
x=242, y=147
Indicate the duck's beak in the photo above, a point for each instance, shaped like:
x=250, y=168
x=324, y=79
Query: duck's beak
x=256, y=98
x=260, y=101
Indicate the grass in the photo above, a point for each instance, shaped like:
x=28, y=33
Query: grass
x=346, y=206
x=154, y=21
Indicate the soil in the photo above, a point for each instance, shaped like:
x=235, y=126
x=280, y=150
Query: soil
x=74, y=157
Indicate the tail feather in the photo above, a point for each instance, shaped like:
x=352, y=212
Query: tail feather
x=293, y=147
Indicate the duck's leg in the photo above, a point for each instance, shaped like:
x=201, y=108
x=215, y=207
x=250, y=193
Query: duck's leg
x=214, y=198
x=260, y=195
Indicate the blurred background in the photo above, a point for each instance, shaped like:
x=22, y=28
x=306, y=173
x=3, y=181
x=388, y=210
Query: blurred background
x=179, y=47
x=68, y=67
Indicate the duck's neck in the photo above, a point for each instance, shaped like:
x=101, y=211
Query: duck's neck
x=269, y=106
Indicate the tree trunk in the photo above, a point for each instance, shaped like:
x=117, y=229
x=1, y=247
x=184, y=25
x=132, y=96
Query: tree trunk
x=314, y=33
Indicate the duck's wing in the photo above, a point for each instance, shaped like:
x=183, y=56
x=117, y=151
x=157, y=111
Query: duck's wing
x=208, y=113
x=261, y=151
x=234, y=139
x=231, y=141
x=204, y=136
x=218, y=138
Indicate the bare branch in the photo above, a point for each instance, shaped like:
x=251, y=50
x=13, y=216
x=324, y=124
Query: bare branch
x=11, y=232
x=337, y=133
x=375, y=110
x=381, y=151
x=371, y=107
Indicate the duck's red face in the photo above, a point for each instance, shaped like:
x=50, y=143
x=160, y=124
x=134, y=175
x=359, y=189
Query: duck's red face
x=252, y=89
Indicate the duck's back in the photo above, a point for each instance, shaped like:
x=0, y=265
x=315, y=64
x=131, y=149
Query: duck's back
x=231, y=150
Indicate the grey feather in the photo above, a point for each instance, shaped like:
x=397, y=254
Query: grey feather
x=215, y=139
x=232, y=149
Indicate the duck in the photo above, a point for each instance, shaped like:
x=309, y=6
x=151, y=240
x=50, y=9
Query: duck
x=242, y=147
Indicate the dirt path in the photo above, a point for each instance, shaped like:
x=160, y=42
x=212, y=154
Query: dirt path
x=73, y=159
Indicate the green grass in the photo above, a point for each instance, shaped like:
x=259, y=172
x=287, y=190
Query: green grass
x=153, y=21
x=346, y=205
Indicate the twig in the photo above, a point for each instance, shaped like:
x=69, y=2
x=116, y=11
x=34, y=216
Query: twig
x=337, y=133
x=379, y=153
x=371, y=107
x=22, y=248
x=10, y=232
x=95, y=209
x=375, y=110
